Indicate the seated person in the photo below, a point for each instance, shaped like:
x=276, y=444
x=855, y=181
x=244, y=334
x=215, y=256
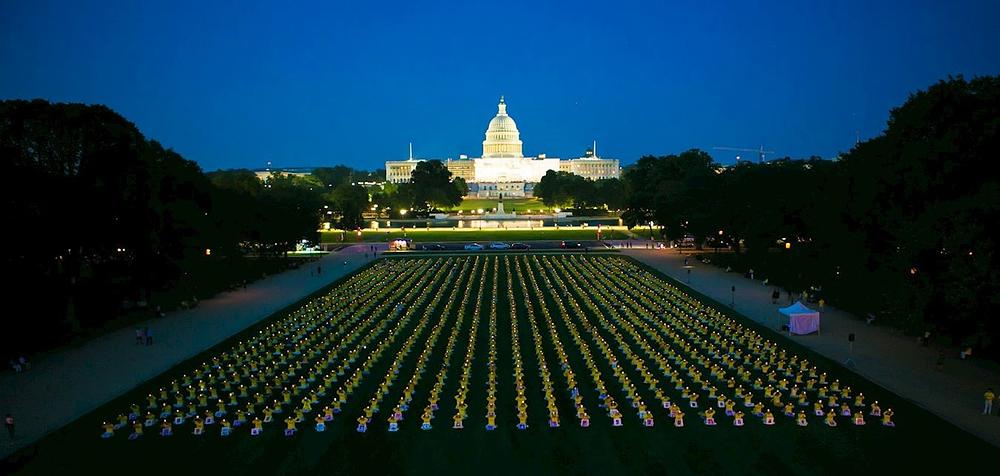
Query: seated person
x=768, y=417
x=109, y=430
x=710, y=417
x=887, y=418
x=738, y=418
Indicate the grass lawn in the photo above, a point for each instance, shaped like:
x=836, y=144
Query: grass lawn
x=518, y=204
x=574, y=312
x=472, y=234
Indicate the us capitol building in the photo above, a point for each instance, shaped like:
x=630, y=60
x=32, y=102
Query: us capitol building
x=503, y=168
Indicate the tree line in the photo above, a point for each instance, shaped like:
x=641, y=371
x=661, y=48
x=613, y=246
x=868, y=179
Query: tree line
x=903, y=227
x=98, y=215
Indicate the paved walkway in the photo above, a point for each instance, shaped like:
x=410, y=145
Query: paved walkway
x=882, y=355
x=66, y=384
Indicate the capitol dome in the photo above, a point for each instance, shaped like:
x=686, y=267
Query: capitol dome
x=502, y=137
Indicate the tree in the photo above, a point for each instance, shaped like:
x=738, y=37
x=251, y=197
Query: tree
x=460, y=185
x=431, y=186
x=350, y=201
x=331, y=177
x=561, y=189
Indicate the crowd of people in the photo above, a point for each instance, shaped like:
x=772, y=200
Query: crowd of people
x=639, y=339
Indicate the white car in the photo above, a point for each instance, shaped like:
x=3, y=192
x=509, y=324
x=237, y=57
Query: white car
x=474, y=247
x=499, y=245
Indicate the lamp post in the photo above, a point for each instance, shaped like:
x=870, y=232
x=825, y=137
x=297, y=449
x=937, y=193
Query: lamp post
x=732, y=302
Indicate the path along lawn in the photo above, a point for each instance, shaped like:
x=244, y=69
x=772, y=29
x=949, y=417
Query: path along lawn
x=593, y=322
x=422, y=235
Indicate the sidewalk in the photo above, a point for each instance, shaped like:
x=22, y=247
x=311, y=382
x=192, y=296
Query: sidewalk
x=882, y=355
x=66, y=384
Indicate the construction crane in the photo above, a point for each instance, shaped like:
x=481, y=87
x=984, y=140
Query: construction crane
x=760, y=152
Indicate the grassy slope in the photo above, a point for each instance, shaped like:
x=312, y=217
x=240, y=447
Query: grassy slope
x=471, y=234
x=922, y=444
x=519, y=204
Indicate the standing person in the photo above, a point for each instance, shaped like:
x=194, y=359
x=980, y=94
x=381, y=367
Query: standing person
x=8, y=421
x=139, y=337
x=149, y=336
x=775, y=295
x=988, y=398
x=319, y=270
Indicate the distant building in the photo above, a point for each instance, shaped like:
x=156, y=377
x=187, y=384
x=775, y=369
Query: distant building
x=264, y=173
x=503, y=168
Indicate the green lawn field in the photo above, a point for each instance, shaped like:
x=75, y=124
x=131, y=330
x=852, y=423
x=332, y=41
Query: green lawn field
x=471, y=234
x=412, y=329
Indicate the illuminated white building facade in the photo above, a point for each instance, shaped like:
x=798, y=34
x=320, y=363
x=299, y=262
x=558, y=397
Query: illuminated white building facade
x=503, y=168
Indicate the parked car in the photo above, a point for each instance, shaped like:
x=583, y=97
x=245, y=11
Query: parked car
x=474, y=247
x=519, y=246
x=499, y=245
x=570, y=244
x=433, y=247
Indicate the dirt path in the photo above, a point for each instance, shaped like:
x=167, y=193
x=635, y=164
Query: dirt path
x=880, y=354
x=66, y=384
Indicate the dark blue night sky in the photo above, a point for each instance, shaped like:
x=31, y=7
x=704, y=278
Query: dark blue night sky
x=235, y=84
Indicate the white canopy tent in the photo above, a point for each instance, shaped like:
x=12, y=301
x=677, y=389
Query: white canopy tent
x=801, y=319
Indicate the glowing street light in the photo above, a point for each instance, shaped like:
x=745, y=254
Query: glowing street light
x=788, y=245
x=208, y=251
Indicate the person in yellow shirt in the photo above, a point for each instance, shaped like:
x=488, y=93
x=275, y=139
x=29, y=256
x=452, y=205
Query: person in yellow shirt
x=678, y=419
x=393, y=423
x=136, y=430
x=768, y=417
x=887, y=418
x=831, y=418
x=710, y=416
x=988, y=398
x=362, y=424
x=258, y=426
x=320, y=423
x=290, y=422
x=491, y=421
x=109, y=430
x=800, y=419
x=199, y=426
x=738, y=418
